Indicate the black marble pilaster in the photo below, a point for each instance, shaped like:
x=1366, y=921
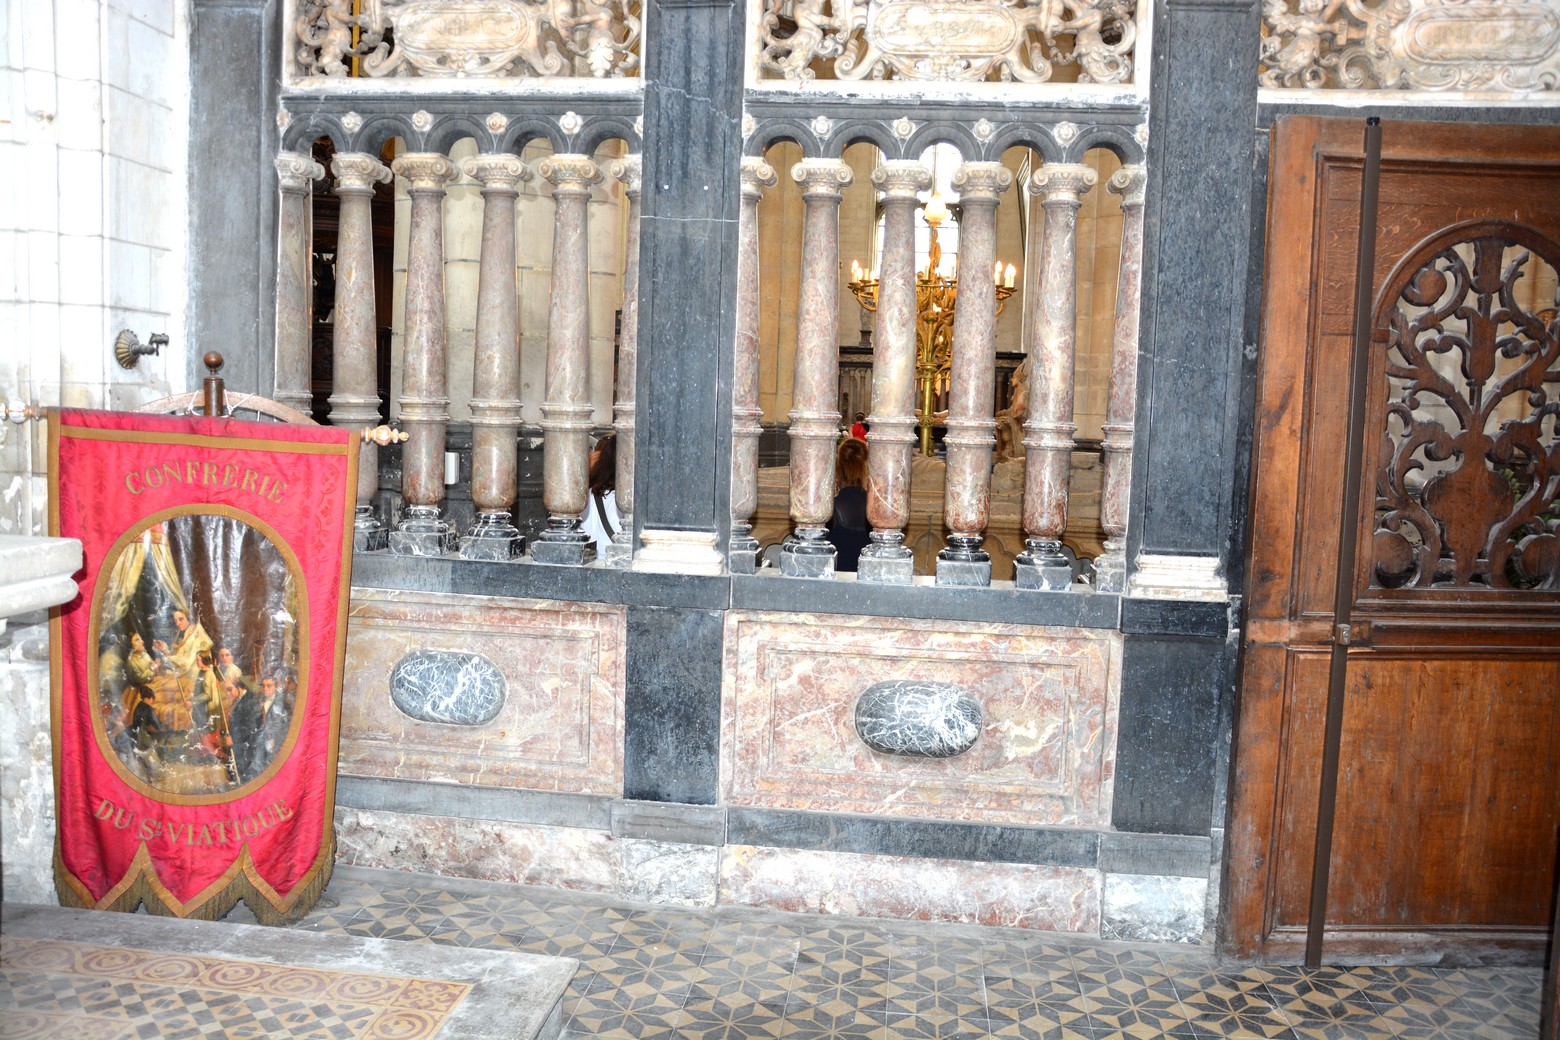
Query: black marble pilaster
x=1168, y=748
x=671, y=707
x=1202, y=131
x=232, y=185
x=687, y=261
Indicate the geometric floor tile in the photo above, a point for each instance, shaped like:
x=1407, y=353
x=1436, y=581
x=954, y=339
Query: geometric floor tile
x=665, y=973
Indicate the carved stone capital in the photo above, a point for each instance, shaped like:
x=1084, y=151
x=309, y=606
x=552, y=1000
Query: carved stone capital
x=498, y=171
x=428, y=171
x=901, y=178
x=1129, y=182
x=825, y=177
x=358, y=171
x=982, y=180
x=570, y=172
x=631, y=171
x=756, y=176
x=1063, y=182
x=296, y=171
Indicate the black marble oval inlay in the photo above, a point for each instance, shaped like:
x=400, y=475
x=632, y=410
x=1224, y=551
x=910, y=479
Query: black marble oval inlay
x=923, y=719
x=448, y=686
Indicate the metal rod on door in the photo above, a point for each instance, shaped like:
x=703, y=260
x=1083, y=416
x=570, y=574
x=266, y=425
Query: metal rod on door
x=1348, y=537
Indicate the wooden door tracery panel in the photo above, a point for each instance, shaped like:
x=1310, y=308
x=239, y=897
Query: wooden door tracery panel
x=1449, y=791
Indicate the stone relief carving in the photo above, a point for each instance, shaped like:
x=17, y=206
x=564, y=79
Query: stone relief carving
x=1474, y=45
x=466, y=38
x=964, y=40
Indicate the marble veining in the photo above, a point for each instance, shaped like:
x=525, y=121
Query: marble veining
x=460, y=689
x=907, y=717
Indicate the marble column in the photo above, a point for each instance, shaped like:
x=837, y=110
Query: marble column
x=1048, y=432
x=619, y=553
x=495, y=370
x=814, y=417
x=566, y=408
x=294, y=278
x=424, y=402
x=971, y=434
x=893, y=424
x=354, y=398
x=1110, y=570
x=746, y=427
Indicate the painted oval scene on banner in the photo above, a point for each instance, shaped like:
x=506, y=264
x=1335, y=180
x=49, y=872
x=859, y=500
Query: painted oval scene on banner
x=198, y=638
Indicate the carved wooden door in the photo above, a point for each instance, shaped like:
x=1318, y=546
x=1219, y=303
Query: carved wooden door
x=1449, y=785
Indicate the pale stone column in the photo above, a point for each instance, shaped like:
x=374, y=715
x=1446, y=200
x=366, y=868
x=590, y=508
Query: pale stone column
x=1048, y=433
x=566, y=409
x=1110, y=570
x=495, y=370
x=745, y=412
x=971, y=434
x=815, y=421
x=620, y=551
x=424, y=402
x=893, y=423
x=294, y=278
x=354, y=398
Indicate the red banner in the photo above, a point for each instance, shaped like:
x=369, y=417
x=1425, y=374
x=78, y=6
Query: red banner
x=196, y=677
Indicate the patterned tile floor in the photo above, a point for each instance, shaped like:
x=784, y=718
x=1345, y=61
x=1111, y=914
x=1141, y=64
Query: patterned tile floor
x=731, y=974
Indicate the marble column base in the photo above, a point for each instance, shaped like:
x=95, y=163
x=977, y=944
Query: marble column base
x=493, y=538
x=563, y=544
x=1110, y=571
x=742, y=556
x=886, y=561
x=806, y=553
x=368, y=534
x=1043, y=565
x=620, y=551
x=423, y=532
x=968, y=574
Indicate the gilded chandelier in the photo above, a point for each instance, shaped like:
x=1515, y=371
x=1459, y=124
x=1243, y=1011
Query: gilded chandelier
x=936, y=295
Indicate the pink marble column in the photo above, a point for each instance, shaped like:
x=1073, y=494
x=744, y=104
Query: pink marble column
x=495, y=370
x=566, y=409
x=814, y=417
x=1048, y=433
x=745, y=412
x=972, y=383
x=1110, y=569
x=424, y=401
x=354, y=398
x=893, y=424
x=619, y=553
x=294, y=278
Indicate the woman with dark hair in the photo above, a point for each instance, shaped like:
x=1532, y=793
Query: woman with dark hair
x=848, y=528
x=600, y=518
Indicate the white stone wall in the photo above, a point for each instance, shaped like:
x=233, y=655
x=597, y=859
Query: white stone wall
x=92, y=240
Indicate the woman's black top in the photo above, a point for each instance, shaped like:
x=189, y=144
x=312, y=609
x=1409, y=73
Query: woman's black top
x=848, y=529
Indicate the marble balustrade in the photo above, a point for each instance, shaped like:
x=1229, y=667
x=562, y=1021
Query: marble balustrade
x=966, y=482
x=424, y=402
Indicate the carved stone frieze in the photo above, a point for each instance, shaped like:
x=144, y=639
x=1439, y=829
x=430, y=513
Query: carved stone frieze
x=1466, y=45
x=962, y=40
x=464, y=38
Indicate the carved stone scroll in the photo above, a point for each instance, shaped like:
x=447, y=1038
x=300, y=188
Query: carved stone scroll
x=963, y=40
x=1494, y=45
x=1469, y=467
x=465, y=38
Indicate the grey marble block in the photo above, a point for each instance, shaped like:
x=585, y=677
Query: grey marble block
x=492, y=546
x=919, y=719
x=964, y=573
x=422, y=543
x=742, y=561
x=447, y=686
x=617, y=554
x=370, y=539
x=1110, y=574
x=1055, y=577
x=802, y=558
x=1149, y=908
x=564, y=553
x=885, y=571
